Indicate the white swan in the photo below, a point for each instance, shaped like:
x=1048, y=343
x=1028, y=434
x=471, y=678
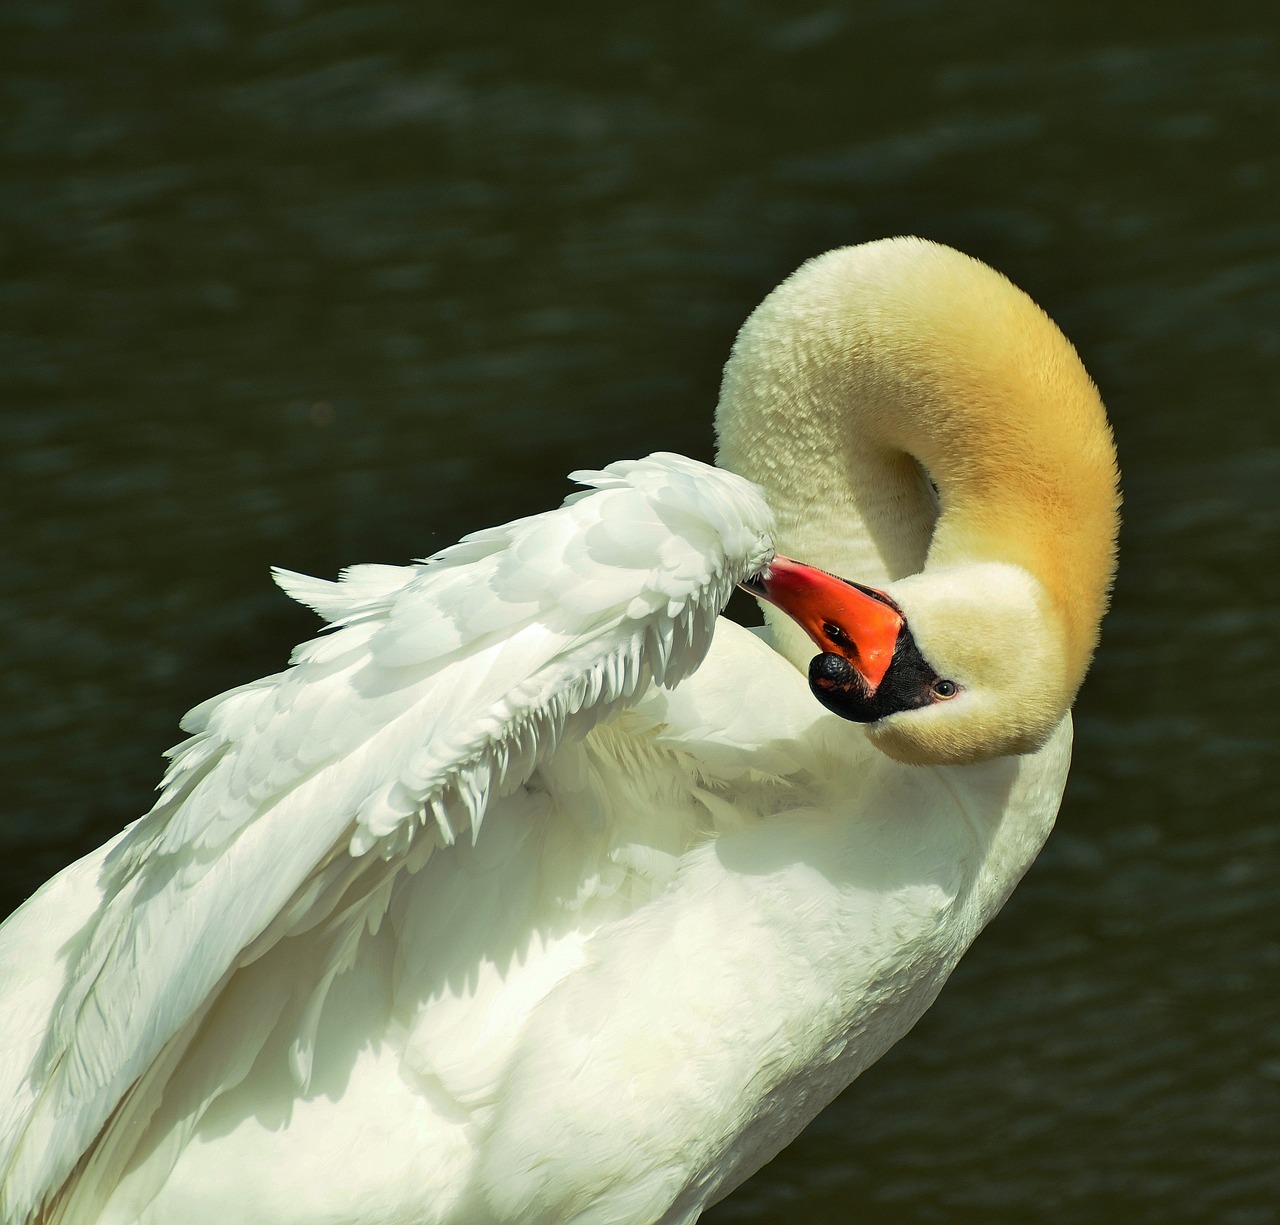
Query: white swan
x=463, y=920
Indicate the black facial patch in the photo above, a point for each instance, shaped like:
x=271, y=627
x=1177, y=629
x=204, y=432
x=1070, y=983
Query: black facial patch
x=907, y=684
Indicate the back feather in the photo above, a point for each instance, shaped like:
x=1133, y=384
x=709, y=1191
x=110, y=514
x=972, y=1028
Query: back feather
x=440, y=688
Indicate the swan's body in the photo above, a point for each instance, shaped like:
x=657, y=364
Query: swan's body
x=463, y=920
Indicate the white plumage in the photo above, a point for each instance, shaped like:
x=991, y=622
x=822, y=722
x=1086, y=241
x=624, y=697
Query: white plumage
x=298, y=799
x=491, y=908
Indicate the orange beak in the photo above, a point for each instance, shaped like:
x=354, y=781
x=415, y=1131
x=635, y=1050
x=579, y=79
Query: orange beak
x=858, y=623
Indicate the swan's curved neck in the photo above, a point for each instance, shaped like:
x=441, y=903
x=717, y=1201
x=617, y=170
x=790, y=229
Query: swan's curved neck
x=878, y=369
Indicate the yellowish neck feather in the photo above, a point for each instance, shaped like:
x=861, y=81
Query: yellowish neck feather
x=875, y=365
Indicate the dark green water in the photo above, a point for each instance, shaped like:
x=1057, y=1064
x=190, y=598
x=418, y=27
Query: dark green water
x=320, y=283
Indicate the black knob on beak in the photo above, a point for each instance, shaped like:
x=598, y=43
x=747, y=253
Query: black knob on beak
x=835, y=682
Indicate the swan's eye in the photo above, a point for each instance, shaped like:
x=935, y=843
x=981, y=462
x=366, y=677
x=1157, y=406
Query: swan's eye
x=836, y=635
x=945, y=689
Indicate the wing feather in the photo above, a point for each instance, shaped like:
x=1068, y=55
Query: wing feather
x=439, y=687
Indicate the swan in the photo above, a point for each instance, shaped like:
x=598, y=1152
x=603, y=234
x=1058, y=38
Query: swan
x=533, y=892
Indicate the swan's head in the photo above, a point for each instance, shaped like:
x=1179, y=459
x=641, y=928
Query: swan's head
x=953, y=666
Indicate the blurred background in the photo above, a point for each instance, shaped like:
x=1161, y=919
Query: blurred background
x=314, y=283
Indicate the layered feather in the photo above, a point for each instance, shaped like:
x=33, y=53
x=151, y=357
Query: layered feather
x=297, y=798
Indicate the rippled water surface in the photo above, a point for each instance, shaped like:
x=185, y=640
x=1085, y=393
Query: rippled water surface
x=311, y=284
